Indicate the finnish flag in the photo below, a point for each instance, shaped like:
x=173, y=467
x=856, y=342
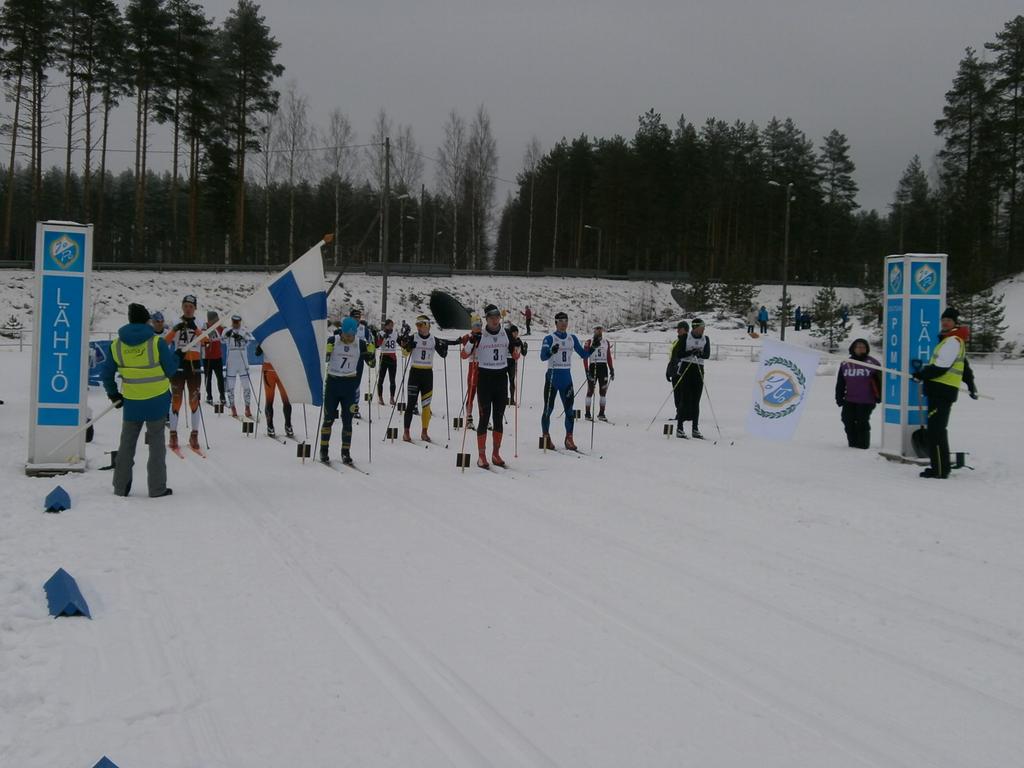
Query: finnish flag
x=288, y=318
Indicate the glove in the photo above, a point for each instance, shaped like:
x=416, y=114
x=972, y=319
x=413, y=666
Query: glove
x=524, y=347
x=117, y=399
x=840, y=402
x=371, y=347
x=475, y=339
x=973, y=394
x=591, y=378
x=259, y=351
x=611, y=374
x=554, y=348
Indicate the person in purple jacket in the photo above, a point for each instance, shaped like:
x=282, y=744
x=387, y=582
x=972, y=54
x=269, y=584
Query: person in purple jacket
x=858, y=390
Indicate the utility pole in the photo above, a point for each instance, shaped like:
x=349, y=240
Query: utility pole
x=419, y=226
x=384, y=236
x=785, y=262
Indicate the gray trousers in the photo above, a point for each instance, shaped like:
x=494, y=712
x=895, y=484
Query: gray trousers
x=156, y=467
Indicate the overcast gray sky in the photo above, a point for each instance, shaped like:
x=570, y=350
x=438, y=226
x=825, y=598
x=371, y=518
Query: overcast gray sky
x=877, y=71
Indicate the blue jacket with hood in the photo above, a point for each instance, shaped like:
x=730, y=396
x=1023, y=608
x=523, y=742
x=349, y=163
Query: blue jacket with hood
x=153, y=408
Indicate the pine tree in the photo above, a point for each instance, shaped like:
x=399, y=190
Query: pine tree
x=827, y=314
x=784, y=311
x=984, y=312
x=737, y=292
x=871, y=308
x=249, y=53
x=913, y=214
x=702, y=293
x=1007, y=78
x=967, y=168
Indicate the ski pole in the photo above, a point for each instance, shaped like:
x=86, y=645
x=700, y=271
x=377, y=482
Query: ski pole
x=593, y=416
x=401, y=384
x=671, y=392
x=447, y=409
x=256, y=427
x=465, y=429
x=369, y=424
x=704, y=386
x=574, y=394
x=202, y=421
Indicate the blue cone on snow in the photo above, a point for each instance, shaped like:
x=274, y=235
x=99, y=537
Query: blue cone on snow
x=57, y=500
x=105, y=762
x=64, y=597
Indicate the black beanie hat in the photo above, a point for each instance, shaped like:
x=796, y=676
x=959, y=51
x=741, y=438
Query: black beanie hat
x=952, y=314
x=137, y=314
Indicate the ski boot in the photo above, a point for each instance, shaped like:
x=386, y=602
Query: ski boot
x=325, y=454
x=425, y=437
x=931, y=473
x=548, y=445
x=288, y=431
x=193, y=440
x=496, y=459
x=172, y=443
x=356, y=414
x=601, y=416
x=481, y=445
x=696, y=434
x=570, y=444
x=469, y=423
x=680, y=432
x=346, y=457
x=380, y=401
x=588, y=415
x=248, y=412
x=406, y=437
x=270, y=431
x=393, y=400
x=234, y=412
x=209, y=401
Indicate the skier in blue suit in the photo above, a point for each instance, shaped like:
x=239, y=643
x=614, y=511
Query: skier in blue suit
x=557, y=349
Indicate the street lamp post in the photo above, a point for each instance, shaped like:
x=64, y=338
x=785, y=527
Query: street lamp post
x=785, y=258
x=384, y=227
x=590, y=226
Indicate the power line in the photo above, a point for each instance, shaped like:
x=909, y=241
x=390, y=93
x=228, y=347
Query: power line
x=116, y=150
x=439, y=161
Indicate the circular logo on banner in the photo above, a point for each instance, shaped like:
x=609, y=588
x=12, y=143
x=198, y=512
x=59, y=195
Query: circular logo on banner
x=895, y=278
x=64, y=251
x=926, y=278
x=783, y=387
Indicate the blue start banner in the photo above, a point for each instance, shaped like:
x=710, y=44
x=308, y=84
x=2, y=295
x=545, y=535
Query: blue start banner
x=915, y=292
x=60, y=352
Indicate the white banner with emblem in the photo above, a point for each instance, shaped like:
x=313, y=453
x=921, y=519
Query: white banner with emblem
x=781, y=387
x=60, y=348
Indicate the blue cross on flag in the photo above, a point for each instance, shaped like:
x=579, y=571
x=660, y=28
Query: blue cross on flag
x=288, y=317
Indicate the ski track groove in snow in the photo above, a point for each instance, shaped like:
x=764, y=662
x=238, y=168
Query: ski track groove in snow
x=661, y=650
x=416, y=678
x=652, y=639
x=676, y=568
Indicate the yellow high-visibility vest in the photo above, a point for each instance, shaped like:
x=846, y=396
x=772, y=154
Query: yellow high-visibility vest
x=955, y=374
x=142, y=376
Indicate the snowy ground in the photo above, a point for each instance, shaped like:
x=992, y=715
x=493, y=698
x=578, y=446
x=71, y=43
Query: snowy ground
x=657, y=603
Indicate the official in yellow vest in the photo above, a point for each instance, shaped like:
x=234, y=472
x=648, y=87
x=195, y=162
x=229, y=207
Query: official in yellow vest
x=144, y=361
x=942, y=376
